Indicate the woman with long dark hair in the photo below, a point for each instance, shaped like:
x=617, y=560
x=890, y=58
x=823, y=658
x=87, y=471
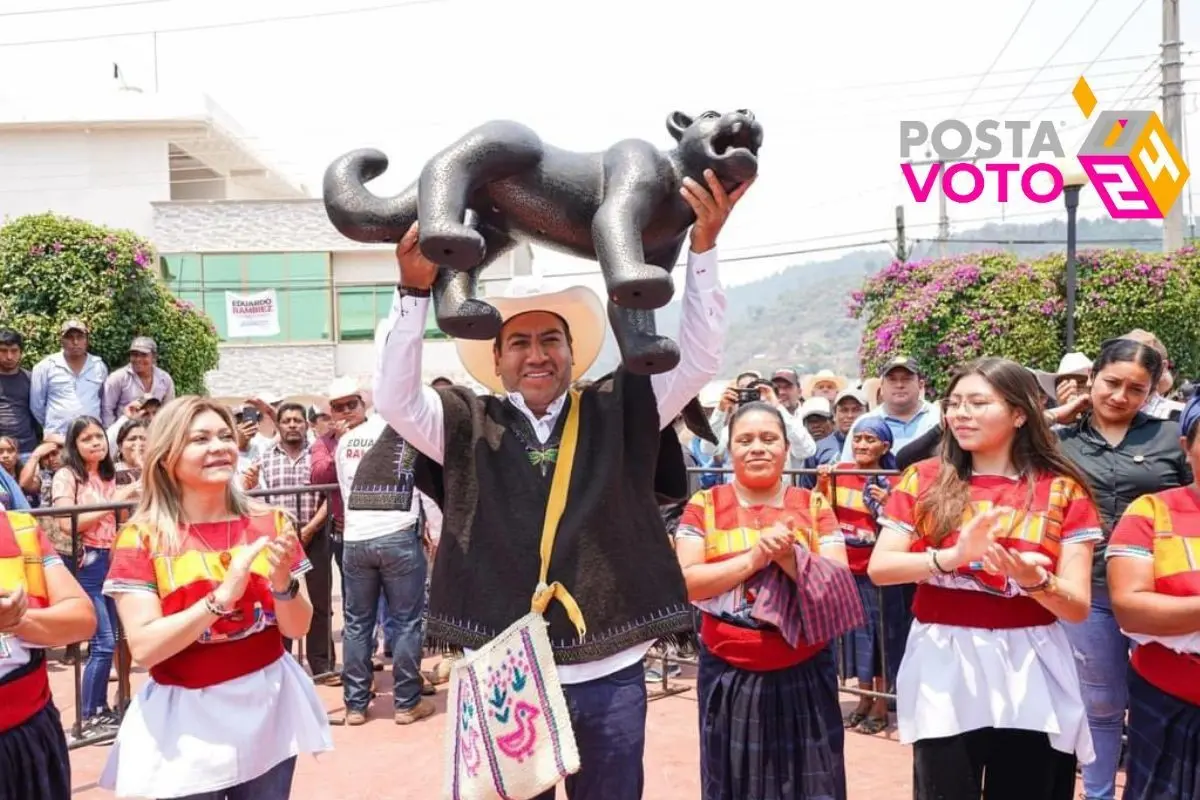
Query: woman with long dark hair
x=1124, y=453
x=1154, y=582
x=131, y=451
x=87, y=477
x=752, y=551
x=998, y=534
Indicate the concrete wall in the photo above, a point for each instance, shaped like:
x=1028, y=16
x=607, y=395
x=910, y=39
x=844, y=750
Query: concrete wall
x=272, y=369
x=109, y=177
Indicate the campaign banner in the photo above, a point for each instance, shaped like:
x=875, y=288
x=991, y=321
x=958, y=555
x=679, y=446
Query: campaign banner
x=250, y=315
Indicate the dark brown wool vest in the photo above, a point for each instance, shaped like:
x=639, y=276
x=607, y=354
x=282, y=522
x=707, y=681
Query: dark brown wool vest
x=612, y=552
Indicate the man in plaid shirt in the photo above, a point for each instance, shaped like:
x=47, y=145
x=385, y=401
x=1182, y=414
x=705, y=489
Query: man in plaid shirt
x=286, y=464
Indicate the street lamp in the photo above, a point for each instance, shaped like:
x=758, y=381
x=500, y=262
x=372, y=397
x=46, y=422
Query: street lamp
x=1074, y=179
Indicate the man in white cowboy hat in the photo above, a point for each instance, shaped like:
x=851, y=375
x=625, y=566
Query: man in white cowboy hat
x=498, y=455
x=1069, y=380
x=823, y=384
x=382, y=564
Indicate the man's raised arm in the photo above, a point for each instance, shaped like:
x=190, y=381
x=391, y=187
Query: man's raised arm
x=702, y=322
x=412, y=409
x=701, y=337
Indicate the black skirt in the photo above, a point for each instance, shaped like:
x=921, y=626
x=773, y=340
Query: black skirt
x=771, y=735
x=1164, y=744
x=34, y=762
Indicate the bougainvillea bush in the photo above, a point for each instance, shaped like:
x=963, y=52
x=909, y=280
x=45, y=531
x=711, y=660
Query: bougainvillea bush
x=56, y=268
x=945, y=312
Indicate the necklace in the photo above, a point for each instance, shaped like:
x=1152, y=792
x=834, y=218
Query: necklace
x=226, y=557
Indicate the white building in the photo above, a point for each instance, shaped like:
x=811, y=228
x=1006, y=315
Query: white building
x=178, y=171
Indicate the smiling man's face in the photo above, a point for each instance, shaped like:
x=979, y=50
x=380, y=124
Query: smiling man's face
x=533, y=358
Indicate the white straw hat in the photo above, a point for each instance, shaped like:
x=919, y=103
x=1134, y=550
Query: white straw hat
x=578, y=306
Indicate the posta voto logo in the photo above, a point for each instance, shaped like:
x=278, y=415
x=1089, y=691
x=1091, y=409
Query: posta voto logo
x=1132, y=163
x=1128, y=157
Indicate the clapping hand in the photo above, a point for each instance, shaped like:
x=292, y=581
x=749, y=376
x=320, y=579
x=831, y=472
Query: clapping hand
x=1027, y=569
x=13, y=606
x=775, y=544
x=279, y=556
x=237, y=575
x=975, y=539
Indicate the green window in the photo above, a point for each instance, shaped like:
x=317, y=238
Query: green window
x=360, y=309
x=301, y=282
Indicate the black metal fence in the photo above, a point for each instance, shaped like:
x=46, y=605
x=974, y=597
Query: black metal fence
x=664, y=661
x=665, y=658
x=121, y=659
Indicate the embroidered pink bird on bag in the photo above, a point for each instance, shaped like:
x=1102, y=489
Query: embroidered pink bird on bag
x=470, y=753
x=519, y=744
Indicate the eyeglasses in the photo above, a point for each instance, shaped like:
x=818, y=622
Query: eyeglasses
x=344, y=406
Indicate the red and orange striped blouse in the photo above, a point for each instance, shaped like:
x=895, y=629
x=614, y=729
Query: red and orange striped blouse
x=1164, y=529
x=716, y=517
x=238, y=644
x=1057, y=512
x=25, y=554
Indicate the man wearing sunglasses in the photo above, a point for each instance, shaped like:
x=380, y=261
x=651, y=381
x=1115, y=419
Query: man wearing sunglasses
x=381, y=559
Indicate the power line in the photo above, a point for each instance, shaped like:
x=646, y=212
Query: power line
x=219, y=25
x=1107, y=45
x=268, y=153
x=996, y=60
x=1137, y=81
x=1011, y=71
x=97, y=7
x=1057, y=50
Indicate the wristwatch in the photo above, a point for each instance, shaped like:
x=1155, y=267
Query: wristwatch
x=289, y=593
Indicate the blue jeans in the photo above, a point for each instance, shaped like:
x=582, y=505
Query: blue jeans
x=609, y=719
x=100, y=650
x=383, y=624
x=392, y=566
x=274, y=784
x=1102, y=660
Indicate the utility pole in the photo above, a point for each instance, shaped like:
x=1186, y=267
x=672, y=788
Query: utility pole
x=901, y=244
x=1172, y=92
x=943, y=234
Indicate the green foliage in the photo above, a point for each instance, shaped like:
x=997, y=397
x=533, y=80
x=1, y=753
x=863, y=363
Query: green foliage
x=56, y=268
x=946, y=312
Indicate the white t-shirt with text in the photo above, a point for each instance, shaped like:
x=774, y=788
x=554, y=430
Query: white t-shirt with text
x=363, y=526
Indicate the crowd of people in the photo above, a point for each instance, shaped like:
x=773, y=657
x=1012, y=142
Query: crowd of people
x=1011, y=561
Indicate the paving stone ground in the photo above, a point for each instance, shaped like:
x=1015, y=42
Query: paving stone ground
x=385, y=761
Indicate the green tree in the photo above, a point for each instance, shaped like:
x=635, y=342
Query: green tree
x=56, y=268
x=946, y=312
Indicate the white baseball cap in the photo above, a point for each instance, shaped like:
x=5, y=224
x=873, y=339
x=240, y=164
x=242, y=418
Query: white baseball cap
x=815, y=406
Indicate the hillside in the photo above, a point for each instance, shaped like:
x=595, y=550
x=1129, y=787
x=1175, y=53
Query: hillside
x=798, y=317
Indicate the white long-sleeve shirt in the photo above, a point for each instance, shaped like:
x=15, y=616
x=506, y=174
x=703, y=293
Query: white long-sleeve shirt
x=415, y=410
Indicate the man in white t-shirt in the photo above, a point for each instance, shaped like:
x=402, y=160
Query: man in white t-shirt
x=383, y=556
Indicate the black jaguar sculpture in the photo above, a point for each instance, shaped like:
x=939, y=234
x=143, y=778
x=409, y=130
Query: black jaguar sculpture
x=501, y=184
